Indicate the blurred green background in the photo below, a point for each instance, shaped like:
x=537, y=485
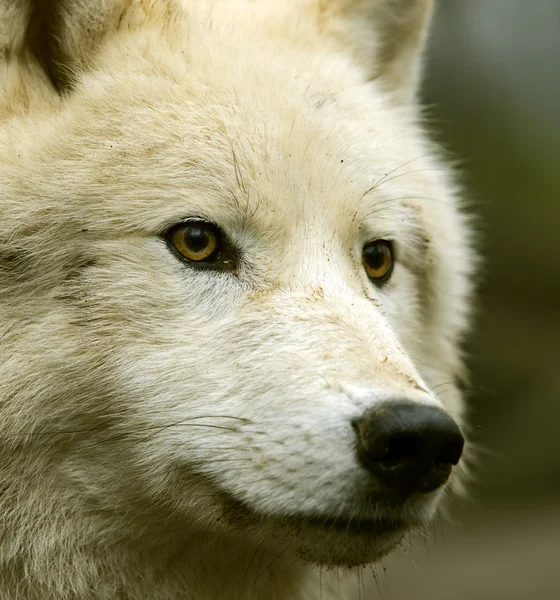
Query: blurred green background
x=493, y=88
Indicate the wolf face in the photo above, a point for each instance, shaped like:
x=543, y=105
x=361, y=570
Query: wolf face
x=228, y=259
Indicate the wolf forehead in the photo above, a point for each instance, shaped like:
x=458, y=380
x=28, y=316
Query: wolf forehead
x=187, y=158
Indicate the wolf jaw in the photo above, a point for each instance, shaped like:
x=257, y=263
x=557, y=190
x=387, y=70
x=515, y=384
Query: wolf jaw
x=170, y=431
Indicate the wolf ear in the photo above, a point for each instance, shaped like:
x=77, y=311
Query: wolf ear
x=385, y=36
x=62, y=35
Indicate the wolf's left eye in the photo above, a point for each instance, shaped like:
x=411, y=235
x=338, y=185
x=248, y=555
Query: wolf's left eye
x=197, y=242
x=377, y=258
x=201, y=245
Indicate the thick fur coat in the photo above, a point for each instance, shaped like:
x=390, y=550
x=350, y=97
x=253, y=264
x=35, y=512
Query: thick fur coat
x=175, y=433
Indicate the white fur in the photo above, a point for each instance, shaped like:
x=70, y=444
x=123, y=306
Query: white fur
x=141, y=400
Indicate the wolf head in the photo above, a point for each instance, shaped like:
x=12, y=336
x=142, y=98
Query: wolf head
x=234, y=276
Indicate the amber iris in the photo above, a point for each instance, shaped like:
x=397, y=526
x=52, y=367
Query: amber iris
x=377, y=259
x=197, y=242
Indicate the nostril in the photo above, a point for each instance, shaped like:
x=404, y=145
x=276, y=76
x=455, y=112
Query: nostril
x=394, y=450
x=451, y=453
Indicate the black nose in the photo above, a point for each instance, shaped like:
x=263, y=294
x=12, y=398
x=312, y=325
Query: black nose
x=408, y=447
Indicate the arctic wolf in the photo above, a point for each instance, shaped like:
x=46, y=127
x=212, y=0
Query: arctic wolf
x=234, y=279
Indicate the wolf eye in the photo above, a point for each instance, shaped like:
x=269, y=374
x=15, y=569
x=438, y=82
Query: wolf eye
x=196, y=241
x=377, y=258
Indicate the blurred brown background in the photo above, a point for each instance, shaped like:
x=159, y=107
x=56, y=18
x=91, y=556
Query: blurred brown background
x=493, y=85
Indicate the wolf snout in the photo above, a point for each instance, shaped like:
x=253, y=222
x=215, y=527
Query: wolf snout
x=408, y=447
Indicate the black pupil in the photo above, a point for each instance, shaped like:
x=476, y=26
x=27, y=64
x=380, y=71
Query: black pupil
x=375, y=256
x=197, y=239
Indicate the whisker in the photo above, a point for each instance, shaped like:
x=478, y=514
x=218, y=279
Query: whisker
x=405, y=164
x=249, y=568
x=388, y=179
x=338, y=584
x=263, y=554
x=275, y=560
x=185, y=422
x=289, y=567
x=238, y=176
x=441, y=385
x=377, y=583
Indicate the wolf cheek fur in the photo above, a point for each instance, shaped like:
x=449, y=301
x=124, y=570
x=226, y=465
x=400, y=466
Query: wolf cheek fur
x=172, y=430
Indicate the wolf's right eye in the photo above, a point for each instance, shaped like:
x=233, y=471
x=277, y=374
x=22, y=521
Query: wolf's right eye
x=378, y=260
x=200, y=244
